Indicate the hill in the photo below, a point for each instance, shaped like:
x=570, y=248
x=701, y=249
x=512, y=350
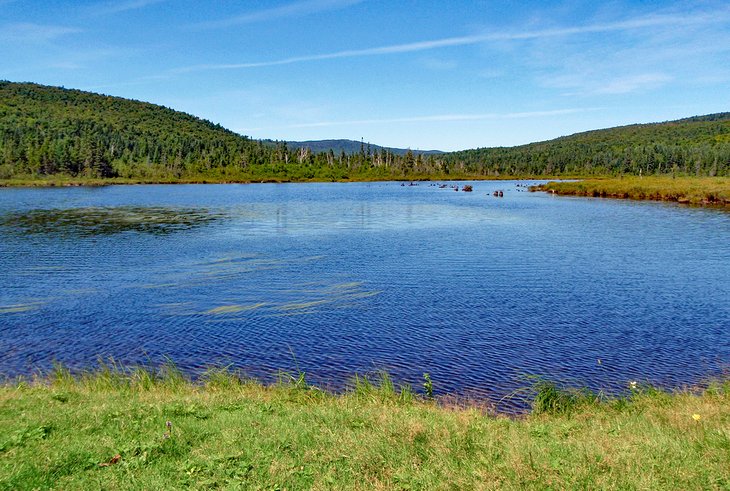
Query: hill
x=52, y=132
x=698, y=145
x=49, y=130
x=57, y=133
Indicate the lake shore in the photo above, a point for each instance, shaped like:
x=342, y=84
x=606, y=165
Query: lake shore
x=144, y=430
x=688, y=190
x=705, y=191
x=67, y=181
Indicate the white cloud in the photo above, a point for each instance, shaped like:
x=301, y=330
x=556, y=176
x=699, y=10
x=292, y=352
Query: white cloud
x=438, y=118
x=117, y=7
x=667, y=20
x=34, y=33
x=598, y=82
x=632, y=83
x=438, y=64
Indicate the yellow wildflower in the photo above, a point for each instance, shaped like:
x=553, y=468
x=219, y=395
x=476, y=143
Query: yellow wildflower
x=696, y=417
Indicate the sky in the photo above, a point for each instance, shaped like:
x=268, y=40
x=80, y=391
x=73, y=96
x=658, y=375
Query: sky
x=410, y=74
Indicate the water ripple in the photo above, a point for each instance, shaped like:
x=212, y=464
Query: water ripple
x=476, y=290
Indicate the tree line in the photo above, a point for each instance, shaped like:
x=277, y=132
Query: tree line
x=47, y=131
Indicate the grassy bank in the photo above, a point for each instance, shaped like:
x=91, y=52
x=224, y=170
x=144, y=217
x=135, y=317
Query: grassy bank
x=690, y=190
x=136, y=430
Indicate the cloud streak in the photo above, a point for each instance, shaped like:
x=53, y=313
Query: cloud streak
x=632, y=83
x=440, y=118
x=301, y=8
x=27, y=32
x=673, y=20
x=117, y=7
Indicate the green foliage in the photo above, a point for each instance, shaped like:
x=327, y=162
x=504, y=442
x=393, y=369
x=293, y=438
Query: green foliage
x=63, y=135
x=381, y=389
x=698, y=146
x=707, y=191
x=428, y=385
x=231, y=435
x=549, y=398
x=51, y=131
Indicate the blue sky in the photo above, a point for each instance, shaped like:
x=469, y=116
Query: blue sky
x=419, y=74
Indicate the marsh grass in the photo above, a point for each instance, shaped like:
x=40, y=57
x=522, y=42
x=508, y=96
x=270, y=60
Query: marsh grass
x=144, y=428
x=547, y=397
x=689, y=190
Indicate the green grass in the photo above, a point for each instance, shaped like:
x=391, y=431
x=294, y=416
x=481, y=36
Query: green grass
x=691, y=190
x=136, y=429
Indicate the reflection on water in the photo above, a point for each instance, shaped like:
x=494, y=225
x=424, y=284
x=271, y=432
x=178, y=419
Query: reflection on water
x=106, y=221
x=477, y=290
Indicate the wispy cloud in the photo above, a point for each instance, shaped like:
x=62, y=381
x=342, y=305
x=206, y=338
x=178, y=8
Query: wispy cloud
x=27, y=32
x=582, y=84
x=117, y=7
x=632, y=83
x=668, y=20
x=640, y=61
x=438, y=64
x=294, y=9
x=438, y=118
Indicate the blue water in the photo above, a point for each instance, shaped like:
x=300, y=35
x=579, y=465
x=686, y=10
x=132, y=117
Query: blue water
x=342, y=278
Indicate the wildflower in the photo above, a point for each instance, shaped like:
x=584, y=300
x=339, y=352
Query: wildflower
x=168, y=433
x=633, y=385
x=696, y=417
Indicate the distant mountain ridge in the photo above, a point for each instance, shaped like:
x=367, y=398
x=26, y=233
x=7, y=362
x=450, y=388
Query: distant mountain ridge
x=350, y=147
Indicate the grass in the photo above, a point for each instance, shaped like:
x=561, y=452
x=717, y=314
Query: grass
x=690, y=190
x=118, y=428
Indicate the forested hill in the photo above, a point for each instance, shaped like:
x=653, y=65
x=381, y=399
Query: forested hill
x=696, y=145
x=51, y=131
x=48, y=130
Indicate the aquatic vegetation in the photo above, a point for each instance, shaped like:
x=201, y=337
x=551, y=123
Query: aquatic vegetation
x=232, y=309
x=19, y=307
x=107, y=221
x=302, y=305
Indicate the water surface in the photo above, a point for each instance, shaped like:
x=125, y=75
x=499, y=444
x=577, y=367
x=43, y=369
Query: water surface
x=345, y=278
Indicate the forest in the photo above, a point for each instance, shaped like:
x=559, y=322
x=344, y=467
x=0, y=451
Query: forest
x=52, y=131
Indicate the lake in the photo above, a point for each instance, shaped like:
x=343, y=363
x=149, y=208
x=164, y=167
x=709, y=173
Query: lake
x=341, y=278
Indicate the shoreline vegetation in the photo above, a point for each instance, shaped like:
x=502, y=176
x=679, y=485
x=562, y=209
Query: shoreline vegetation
x=72, y=181
x=713, y=191
x=143, y=429
x=686, y=190
x=51, y=132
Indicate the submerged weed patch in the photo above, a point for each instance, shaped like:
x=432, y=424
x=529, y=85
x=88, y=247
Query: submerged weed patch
x=106, y=221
